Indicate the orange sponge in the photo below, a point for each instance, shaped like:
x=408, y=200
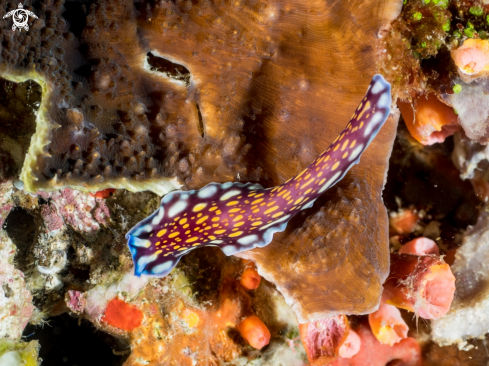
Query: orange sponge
x=122, y=315
x=255, y=332
x=432, y=121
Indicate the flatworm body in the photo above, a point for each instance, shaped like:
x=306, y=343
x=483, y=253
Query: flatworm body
x=238, y=217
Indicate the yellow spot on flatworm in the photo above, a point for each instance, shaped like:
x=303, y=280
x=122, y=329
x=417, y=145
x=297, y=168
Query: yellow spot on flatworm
x=255, y=211
x=219, y=232
x=199, y=207
x=322, y=181
x=161, y=233
x=215, y=219
x=237, y=218
x=336, y=147
x=271, y=203
x=182, y=221
x=271, y=209
x=197, y=228
x=308, y=191
x=202, y=219
x=353, y=143
x=232, y=203
x=191, y=239
x=212, y=237
x=298, y=201
x=366, y=108
x=257, y=201
x=185, y=226
x=307, y=183
x=281, y=193
x=181, y=249
x=172, y=235
x=213, y=208
x=239, y=224
x=345, y=155
x=237, y=233
x=361, y=125
x=158, y=243
x=319, y=174
x=277, y=214
x=256, y=223
x=335, y=166
x=234, y=210
x=345, y=144
x=176, y=247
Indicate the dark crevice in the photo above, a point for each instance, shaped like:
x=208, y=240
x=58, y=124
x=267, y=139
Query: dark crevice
x=7, y=290
x=201, y=121
x=169, y=69
x=18, y=105
x=76, y=14
x=65, y=341
x=21, y=228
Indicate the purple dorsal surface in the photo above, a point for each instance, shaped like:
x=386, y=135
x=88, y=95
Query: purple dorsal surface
x=238, y=217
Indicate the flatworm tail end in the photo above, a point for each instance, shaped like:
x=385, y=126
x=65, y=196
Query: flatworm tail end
x=332, y=165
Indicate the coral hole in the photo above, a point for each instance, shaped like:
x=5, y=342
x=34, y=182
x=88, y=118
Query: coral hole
x=168, y=68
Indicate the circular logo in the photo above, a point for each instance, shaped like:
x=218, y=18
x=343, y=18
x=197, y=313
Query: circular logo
x=20, y=17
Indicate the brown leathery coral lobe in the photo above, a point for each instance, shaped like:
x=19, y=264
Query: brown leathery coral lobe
x=271, y=84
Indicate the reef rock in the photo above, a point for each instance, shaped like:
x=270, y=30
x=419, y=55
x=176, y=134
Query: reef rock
x=469, y=313
x=472, y=107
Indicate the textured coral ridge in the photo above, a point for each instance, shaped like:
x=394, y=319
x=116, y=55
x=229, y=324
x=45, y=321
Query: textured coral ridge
x=274, y=83
x=238, y=217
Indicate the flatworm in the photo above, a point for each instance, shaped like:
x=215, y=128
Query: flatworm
x=238, y=217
